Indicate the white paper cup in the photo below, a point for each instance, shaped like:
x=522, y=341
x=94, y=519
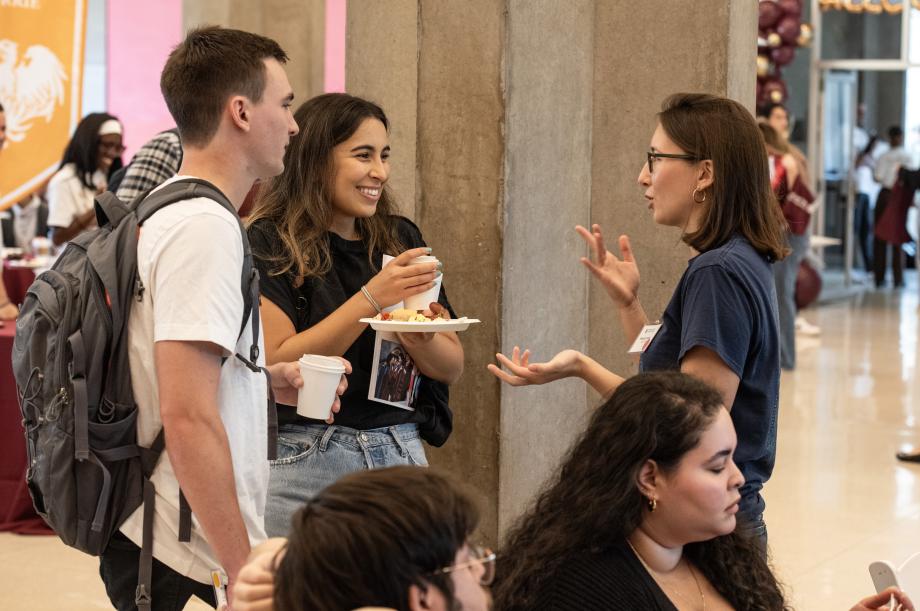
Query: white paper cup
x=321, y=376
x=423, y=300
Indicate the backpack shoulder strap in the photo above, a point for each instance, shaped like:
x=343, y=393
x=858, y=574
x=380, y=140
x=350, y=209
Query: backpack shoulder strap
x=190, y=188
x=109, y=209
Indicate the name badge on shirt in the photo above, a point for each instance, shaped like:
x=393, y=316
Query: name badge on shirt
x=646, y=335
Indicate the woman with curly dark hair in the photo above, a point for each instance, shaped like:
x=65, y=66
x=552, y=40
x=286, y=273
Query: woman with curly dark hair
x=642, y=513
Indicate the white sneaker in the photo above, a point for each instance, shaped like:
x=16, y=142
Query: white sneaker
x=806, y=328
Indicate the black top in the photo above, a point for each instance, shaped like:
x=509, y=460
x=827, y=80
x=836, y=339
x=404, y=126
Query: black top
x=726, y=301
x=610, y=580
x=317, y=298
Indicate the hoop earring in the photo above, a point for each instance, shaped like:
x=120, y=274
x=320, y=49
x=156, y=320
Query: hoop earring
x=652, y=504
x=693, y=195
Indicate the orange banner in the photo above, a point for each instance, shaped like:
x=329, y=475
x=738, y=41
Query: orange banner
x=41, y=87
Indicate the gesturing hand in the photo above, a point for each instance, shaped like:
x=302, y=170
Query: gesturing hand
x=619, y=277
x=521, y=372
x=401, y=279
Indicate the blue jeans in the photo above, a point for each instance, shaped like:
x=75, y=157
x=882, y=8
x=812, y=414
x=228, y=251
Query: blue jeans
x=785, y=273
x=312, y=456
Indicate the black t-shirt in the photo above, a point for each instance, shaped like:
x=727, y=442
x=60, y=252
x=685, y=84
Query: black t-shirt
x=317, y=298
x=726, y=301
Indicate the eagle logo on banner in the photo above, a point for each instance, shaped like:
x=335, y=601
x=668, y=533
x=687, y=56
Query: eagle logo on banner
x=30, y=88
x=41, y=89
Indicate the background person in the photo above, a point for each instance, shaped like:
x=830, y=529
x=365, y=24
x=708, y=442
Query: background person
x=8, y=310
x=92, y=155
x=318, y=234
x=784, y=180
x=154, y=163
x=886, y=173
x=706, y=174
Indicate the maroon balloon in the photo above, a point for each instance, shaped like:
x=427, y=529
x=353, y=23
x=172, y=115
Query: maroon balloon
x=807, y=285
x=782, y=55
x=789, y=29
x=774, y=90
x=770, y=12
x=792, y=8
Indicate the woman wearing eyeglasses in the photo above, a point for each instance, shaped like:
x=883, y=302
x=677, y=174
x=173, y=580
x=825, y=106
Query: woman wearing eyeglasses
x=92, y=155
x=642, y=513
x=706, y=174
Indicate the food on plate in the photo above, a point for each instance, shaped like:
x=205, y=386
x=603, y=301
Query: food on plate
x=404, y=315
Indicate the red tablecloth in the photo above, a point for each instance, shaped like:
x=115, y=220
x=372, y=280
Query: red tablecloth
x=16, y=511
x=17, y=281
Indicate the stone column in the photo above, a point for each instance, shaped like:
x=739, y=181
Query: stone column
x=297, y=25
x=512, y=122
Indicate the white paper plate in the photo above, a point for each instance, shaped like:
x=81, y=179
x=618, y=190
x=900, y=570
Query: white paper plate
x=458, y=324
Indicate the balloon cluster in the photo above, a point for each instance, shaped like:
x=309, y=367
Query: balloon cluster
x=781, y=32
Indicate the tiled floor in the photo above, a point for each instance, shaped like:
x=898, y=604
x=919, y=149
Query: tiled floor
x=838, y=499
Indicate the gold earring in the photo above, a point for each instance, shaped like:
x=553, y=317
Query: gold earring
x=693, y=195
x=652, y=504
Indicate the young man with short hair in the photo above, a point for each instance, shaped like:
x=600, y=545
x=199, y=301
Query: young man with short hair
x=230, y=97
x=392, y=538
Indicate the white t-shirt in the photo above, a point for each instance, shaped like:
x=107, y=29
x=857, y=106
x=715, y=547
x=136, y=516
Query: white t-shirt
x=886, y=169
x=189, y=258
x=68, y=197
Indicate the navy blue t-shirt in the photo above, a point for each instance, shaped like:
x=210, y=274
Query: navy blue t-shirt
x=726, y=301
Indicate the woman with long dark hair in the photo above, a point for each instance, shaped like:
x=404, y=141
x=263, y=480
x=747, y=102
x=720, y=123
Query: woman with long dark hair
x=91, y=157
x=641, y=515
x=643, y=509
x=319, y=232
x=706, y=174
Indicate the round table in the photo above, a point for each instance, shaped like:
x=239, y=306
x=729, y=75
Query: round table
x=16, y=511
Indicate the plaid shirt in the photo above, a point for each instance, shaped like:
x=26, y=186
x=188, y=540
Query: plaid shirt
x=156, y=161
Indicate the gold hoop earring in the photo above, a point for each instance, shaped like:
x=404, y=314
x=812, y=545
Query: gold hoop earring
x=652, y=504
x=693, y=195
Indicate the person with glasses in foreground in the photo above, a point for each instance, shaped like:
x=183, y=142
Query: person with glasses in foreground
x=642, y=514
x=392, y=538
x=706, y=174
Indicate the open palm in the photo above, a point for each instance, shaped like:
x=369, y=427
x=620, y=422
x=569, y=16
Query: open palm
x=519, y=371
x=620, y=277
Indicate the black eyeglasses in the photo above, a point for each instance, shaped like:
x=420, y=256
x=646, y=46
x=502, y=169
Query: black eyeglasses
x=652, y=156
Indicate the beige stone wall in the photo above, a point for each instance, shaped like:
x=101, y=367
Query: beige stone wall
x=297, y=25
x=382, y=66
x=649, y=50
x=523, y=118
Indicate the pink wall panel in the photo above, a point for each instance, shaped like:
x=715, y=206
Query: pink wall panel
x=335, y=46
x=140, y=36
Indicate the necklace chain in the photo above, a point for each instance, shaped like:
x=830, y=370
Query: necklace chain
x=652, y=571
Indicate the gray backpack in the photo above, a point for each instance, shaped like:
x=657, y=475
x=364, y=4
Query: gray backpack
x=86, y=472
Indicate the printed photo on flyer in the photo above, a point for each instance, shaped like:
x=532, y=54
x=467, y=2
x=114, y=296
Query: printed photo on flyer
x=394, y=378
